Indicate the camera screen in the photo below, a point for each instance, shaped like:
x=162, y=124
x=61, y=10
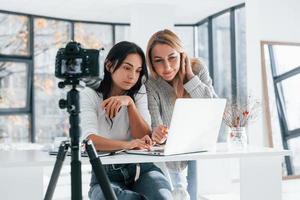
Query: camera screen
x=71, y=66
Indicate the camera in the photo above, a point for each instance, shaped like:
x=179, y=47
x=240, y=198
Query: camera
x=74, y=62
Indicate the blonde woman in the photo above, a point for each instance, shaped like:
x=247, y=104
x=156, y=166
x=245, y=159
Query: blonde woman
x=174, y=75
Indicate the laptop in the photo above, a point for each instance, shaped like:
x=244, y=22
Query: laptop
x=194, y=127
x=84, y=153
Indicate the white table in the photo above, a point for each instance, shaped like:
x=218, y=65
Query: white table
x=21, y=172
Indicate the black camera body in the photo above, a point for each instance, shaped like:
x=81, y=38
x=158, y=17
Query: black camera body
x=74, y=62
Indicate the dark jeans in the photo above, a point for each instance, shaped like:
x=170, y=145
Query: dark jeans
x=152, y=184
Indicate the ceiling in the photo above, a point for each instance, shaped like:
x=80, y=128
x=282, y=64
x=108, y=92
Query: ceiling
x=187, y=11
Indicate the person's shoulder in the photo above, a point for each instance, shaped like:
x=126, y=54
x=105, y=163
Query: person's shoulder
x=140, y=94
x=89, y=92
x=151, y=83
x=142, y=89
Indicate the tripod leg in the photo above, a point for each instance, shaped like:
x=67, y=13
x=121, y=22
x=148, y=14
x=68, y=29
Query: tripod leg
x=76, y=189
x=63, y=148
x=99, y=171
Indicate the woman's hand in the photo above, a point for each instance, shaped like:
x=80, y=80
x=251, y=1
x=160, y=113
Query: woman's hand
x=186, y=68
x=160, y=134
x=113, y=104
x=143, y=143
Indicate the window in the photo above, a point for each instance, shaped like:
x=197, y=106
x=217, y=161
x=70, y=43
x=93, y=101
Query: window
x=14, y=99
x=15, y=127
x=221, y=56
x=15, y=75
x=219, y=40
x=49, y=36
x=14, y=85
x=14, y=34
x=94, y=35
x=286, y=75
x=283, y=72
x=202, y=43
x=240, y=42
x=28, y=89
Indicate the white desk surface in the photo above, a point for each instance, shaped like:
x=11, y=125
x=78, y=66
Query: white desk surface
x=42, y=158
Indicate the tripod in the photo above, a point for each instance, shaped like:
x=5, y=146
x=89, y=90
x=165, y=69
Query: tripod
x=72, y=105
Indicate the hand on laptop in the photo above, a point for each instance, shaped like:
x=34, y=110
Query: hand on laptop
x=143, y=143
x=160, y=134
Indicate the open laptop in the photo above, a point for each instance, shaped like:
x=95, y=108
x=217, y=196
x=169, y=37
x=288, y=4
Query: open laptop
x=194, y=127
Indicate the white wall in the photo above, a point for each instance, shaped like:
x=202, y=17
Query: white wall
x=273, y=20
x=147, y=19
x=265, y=20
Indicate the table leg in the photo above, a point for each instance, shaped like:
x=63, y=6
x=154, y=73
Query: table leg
x=260, y=178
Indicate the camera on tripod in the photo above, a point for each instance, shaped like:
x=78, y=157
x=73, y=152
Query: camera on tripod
x=72, y=64
x=75, y=62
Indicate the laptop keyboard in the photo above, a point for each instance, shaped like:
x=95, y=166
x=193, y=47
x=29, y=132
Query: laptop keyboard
x=159, y=148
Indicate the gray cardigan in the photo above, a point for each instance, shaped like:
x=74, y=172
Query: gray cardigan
x=161, y=100
x=161, y=95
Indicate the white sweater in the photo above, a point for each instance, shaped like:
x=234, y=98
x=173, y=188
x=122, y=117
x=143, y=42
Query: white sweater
x=95, y=121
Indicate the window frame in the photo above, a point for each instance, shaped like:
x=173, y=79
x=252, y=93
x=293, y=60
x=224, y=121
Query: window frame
x=233, y=53
x=286, y=134
x=29, y=60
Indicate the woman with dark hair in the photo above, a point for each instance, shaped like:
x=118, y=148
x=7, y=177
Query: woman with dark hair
x=115, y=116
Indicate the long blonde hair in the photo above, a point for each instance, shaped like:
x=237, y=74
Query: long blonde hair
x=169, y=38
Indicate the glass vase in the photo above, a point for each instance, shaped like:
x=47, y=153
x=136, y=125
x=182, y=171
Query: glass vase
x=237, y=138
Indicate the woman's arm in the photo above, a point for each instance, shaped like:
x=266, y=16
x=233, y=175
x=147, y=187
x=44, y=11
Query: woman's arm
x=159, y=131
x=89, y=103
x=201, y=84
x=138, y=113
x=139, y=116
x=104, y=144
x=153, y=105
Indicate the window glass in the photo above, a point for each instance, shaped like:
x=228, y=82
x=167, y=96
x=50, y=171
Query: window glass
x=241, y=70
x=276, y=132
x=285, y=107
x=221, y=56
x=13, y=85
x=95, y=36
x=48, y=35
x=51, y=121
x=202, y=46
x=289, y=89
x=14, y=34
x=286, y=58
x=14, y=128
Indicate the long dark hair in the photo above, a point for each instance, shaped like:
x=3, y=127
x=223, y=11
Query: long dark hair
x=115, y=57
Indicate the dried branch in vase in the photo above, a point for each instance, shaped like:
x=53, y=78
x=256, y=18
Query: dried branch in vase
x=239, y=115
